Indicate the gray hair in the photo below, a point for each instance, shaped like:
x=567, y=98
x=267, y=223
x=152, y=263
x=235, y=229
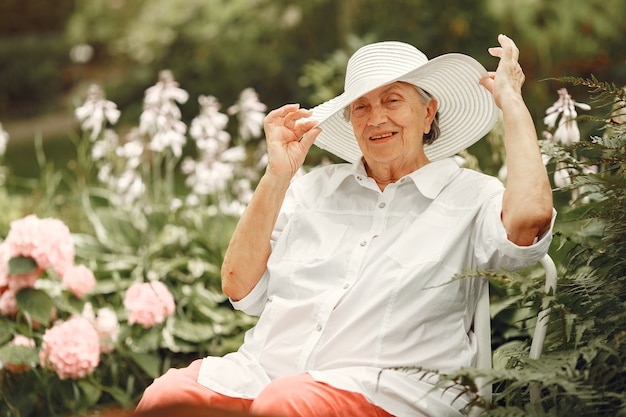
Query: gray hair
x=425, y=96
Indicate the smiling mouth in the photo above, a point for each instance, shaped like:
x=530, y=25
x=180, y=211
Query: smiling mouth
x=383, y=136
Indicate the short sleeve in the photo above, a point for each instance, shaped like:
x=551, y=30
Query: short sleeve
x=253, y=303
x=495, y=251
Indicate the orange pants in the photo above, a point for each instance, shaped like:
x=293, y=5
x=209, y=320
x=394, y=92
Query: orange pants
x=289, y=396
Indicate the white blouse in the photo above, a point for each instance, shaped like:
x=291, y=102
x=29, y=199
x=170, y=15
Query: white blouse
x=361, y=281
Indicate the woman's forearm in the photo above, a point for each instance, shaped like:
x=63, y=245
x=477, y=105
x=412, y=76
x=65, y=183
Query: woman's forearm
x=246, y=257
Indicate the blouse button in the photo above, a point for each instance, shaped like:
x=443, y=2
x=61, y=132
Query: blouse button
x=381, y=205
x=363, y=243
x=318, y=327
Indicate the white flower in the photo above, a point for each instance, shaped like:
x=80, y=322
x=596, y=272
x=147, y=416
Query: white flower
x=106, y=146
x=166, y=90
x=503, y=173
x=96, y=112
x=4, y=139
x=104, y=173
x=563, y=112
x=172, y=139
x=81, y=53
x=234, y=154
x=208, y=178
x=132, y=151
x=130, y=187
x=161, y=118
x=250, y=113
x=192, y=200
x=567, y=133
x=188, y=166
x=175, y=204
x=105, y=323
x=562, y=176
x=243, y=190
x=208, y=127
x=234, y=208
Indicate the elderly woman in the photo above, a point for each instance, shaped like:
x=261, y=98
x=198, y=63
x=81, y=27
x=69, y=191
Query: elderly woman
x=350, y=268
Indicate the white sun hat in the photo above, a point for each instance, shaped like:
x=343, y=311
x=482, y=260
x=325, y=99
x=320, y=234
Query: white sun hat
x=467, y=111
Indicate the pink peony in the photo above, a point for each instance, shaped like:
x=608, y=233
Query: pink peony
x=79, y=280
x=8, y=304
x=148, y=303
x=17, y=282
x=20, y=340
x=71, y=348
x=4, y=265
x=47, y=241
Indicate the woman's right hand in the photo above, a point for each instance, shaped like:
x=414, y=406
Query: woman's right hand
x=288, y=138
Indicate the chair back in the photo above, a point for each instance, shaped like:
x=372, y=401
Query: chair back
x=482, y=330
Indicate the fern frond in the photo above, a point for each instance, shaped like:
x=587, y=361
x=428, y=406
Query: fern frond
x=600, y=90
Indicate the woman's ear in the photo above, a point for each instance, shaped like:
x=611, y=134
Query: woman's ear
x=431, y=111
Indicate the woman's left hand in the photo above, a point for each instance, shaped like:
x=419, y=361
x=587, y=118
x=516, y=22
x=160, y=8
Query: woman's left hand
x=508, y=77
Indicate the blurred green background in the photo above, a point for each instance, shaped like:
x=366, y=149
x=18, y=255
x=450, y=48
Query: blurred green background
x=50, y=51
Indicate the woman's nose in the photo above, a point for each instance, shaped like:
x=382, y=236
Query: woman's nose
x=378, y=115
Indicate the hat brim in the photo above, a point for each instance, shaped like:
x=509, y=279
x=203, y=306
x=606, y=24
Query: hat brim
x=467, y=111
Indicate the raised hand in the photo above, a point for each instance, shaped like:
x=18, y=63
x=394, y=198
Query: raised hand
x=508, y=77
x=289, y=138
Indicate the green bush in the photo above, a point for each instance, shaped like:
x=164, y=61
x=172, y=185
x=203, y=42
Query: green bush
x=159, y=226
x=583, y=368
x=35, y=74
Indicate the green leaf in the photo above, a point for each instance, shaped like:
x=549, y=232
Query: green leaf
x=18, y=355
x=120, y=396
x=21, y=265
x=192, y=332
x=5, y=332
x=90, y=392
x=150, y=363
x=36, y=303
x=144, y=340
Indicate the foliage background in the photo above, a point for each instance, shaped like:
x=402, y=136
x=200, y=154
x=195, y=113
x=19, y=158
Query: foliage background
x=287, y=51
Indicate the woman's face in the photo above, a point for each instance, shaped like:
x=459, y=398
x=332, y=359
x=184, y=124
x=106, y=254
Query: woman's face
x=389, y=124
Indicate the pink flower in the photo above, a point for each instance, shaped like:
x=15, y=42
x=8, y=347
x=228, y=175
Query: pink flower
x=79, y=280
x=14, y=283
x=20, y=340
x=71, y=348
x=8, y=304
x=17, y=282
x=106, y=324
x=4, y=265
x=47, y=241
x=148, y=303
x=11, y=284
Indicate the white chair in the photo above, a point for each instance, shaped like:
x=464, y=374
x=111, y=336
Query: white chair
x=482, y=330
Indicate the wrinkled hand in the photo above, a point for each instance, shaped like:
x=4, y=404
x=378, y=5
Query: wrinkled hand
x=508, y=77
x=288, y=140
